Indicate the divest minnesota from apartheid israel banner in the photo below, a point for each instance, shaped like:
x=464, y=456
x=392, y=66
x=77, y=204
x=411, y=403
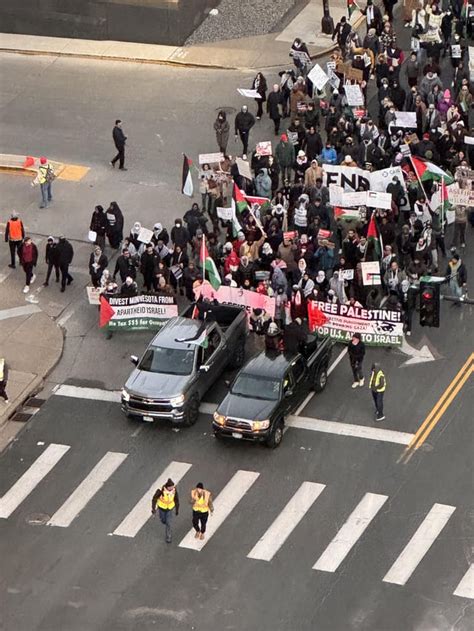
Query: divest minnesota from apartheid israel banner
x=378, y=327
x=137, y=313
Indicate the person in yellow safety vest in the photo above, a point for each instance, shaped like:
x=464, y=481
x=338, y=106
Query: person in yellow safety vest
x=201, y=501
x=3, y=379
x=377, y=384
x=45, y=179
x=166, y=500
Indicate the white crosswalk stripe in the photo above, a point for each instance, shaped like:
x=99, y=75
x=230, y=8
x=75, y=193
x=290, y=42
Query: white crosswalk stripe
x=419, y=544
x=286, y=522
x=465, y=589
x=141, y=512
x=31, y=478
x=224, y=504
x=87, y=489
x=350, y=532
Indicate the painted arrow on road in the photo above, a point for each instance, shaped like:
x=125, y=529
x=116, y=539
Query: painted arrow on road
x=417, y=356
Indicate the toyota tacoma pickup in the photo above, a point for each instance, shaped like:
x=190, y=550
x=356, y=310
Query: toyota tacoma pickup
x=183, y=361
x=269, y=388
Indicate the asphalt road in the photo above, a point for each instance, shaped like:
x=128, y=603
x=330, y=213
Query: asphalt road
x=82, y=577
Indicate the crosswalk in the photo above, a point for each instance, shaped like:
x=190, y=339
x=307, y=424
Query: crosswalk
x=354, y=531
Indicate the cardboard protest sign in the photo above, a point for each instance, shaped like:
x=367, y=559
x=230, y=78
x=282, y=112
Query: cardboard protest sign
x=264, y=148
x=405, y=119
x=291, y=234
x=346, y=274
x=335, y=195
x=379, y=200
x=145, y=235
x=210, y=158
x=371, y=273
x=355, y=74
x=460, y=196
x=354, y=95
x=226, y=214
x=251, y=94
x=356, y=198
x=318, y=77
x=93, y=295
x=244, y=168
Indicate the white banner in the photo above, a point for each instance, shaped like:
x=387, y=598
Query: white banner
x=405, y=119
x=352, y=178
x=93, y=295
x=379, y=200
x=356, y=198
x=244, y=168
x=226, y=214
x=251, y=94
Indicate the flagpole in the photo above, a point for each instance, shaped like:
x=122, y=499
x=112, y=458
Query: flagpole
x=203, y=259
x=442, y=206
x=419, y=180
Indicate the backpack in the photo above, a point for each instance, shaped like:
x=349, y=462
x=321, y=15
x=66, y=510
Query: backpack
x=49, y=175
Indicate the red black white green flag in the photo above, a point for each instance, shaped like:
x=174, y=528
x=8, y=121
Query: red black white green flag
x=187, y=180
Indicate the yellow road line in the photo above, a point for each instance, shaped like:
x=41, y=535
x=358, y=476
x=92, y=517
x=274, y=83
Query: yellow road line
x=441, y=401
x=443, y=409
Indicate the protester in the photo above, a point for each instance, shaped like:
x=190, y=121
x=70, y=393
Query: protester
x=119, y=140
x=51, y=259
x=28, y=259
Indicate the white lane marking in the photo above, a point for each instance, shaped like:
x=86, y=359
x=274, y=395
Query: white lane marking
x=86, y=490
x=350, y=532
x=96, y=394
x=346, y=429
x=302, y=406
x=465, y=589
x=276, y=535
x=31, y=478
x=224, y=504
x=18, y=311
x=141, y=512
x=419, y=544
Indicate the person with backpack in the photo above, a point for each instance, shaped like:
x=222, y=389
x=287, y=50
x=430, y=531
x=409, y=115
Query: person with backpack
x=45, y=179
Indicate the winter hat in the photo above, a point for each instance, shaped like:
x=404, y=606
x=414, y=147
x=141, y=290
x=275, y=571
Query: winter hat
x=284, y=137
x=447, y=94
x=426, y=136
x=348, y=159
x=158, y=227
x=320, y=277
x=14, y=214
x=43, y=160
x=51, y=239
x=266, y=248
x=228, y=246
x=301, y=153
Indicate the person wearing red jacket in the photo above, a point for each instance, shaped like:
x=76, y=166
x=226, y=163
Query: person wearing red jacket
x=28, y=259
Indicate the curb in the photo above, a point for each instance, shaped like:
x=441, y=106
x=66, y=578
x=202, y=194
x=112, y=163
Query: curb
x=165, y=62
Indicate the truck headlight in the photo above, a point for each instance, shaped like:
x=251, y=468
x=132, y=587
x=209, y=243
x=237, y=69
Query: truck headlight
x=176, y=402
x=219, y=418
x=125, y=395
x=258, y=425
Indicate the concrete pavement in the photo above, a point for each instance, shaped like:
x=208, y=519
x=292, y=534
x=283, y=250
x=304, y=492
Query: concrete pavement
x=263, y=51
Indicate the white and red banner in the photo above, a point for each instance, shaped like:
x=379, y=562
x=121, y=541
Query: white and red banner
x=378, y=327
x=237, y=296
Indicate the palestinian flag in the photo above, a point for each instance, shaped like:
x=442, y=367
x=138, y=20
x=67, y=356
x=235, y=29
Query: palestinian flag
x=106, y=312
x=239, y=200
x=187, y=181
x=464, y=10
x=426, y=170
x=351, y=7
x=374, y=240
x=346, y=213
x=316, y=317
x=209, y=266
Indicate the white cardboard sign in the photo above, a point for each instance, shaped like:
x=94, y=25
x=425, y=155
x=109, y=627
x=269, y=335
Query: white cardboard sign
x=371, y=273
x=145, y=235
x=379, y=200
x=405, y=119
x=251, y=94
x=354, y=95
x=318, y=77
x=210, y=158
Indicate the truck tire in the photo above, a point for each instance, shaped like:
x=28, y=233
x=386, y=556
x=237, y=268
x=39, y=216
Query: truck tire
x=238, y=357
x=191, y=411
x=276, y=435
x=321, y=379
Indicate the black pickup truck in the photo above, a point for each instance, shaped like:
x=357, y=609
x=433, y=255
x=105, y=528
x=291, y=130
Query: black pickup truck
x=269, y=388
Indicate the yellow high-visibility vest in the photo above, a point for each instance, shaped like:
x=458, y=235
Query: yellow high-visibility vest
x=375, y=380
x=201, y=503
x=166, y=499
x=2, y=369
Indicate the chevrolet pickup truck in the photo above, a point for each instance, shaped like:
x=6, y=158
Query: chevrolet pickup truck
x=269, y=388
x=183, y=361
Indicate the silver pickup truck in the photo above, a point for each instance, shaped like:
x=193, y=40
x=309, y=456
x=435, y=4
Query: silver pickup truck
x=183, y=361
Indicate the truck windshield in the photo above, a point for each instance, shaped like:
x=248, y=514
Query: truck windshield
x=169, y=361
x=256, y=387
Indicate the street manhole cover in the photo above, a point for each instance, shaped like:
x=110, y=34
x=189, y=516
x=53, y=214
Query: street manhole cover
x=37, y=519
x=227, y=109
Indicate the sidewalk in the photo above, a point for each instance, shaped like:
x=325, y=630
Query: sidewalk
x=263, y=51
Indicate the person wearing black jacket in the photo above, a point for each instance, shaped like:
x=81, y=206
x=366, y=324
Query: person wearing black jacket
x=260, y=85
x=51, y=257
x=275, y=107
x=114, y=228
x=356, y=351
x=99, y=226
x=119, y=141
x=244, y=121
x=341, y=32
x=125, y=266
x=65, y=255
